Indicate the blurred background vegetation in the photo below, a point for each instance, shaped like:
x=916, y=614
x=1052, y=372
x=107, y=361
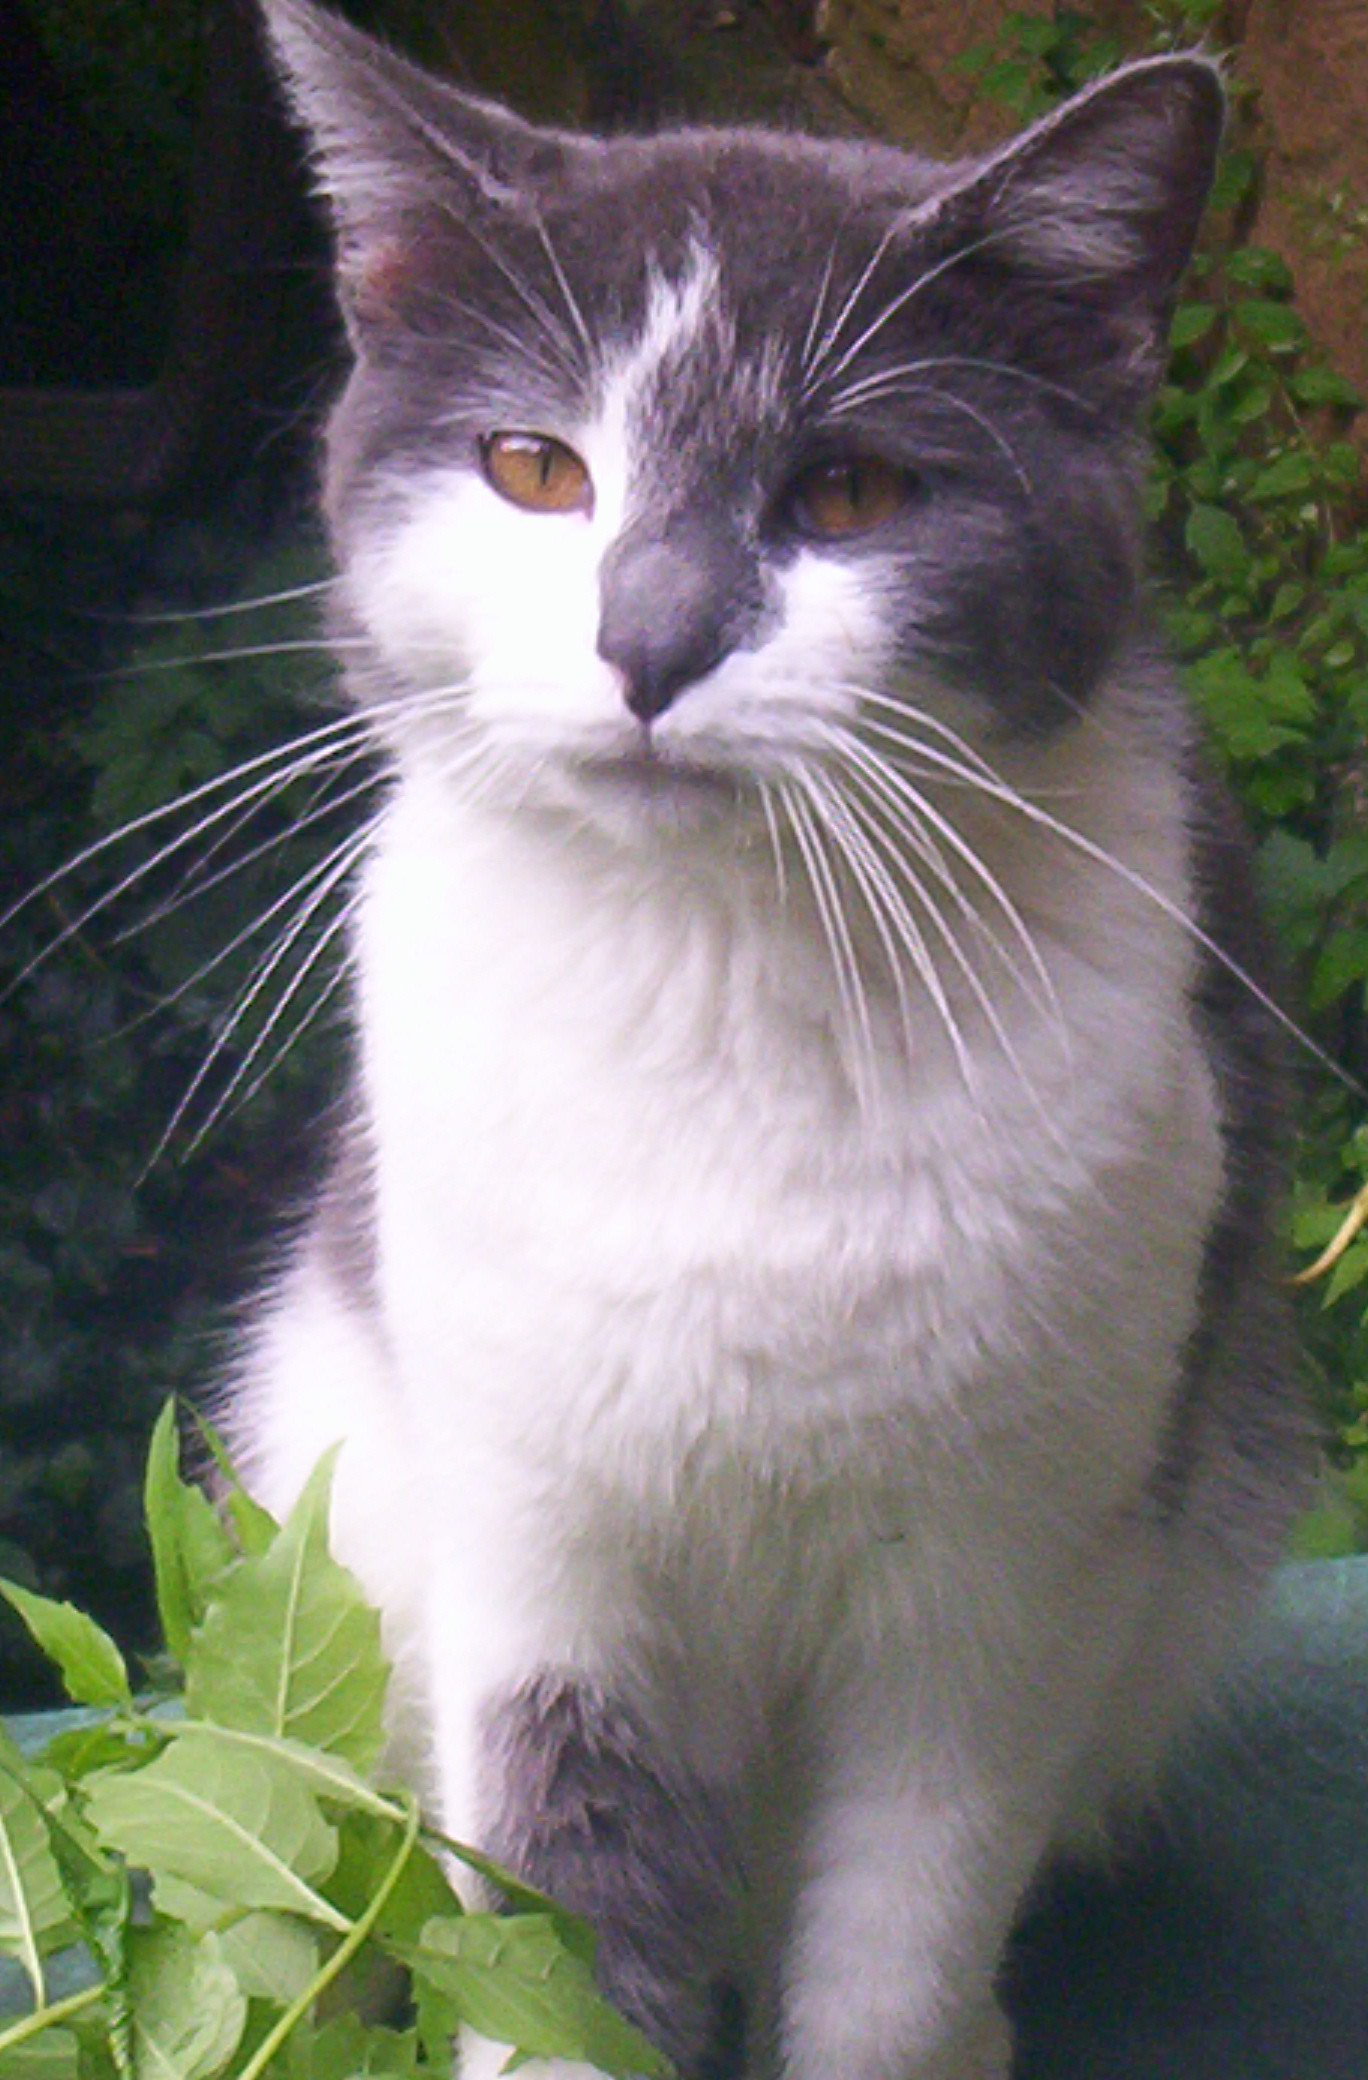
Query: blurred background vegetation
x=165, y=345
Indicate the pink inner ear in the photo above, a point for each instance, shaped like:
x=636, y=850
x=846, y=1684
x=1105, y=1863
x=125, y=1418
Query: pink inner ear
x=382, y=276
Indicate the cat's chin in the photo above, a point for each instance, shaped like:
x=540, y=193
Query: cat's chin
x=634, y=794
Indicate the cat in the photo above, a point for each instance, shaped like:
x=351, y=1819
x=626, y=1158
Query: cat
x=796, y=1288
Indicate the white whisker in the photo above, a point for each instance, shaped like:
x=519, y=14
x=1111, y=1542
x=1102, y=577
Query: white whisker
x=336, y=868
x=102, y=902
x=909, y=294
x=766, y=792
x=894, y=787
x=168, y=618
x=879, y=379
x=997, y=789
x=317, y=739
x=195, y=882
x=977, y=988
x=891, y=918
x=960, y=404
x=224, y=1103
x=845, y=968
x=293, y=1037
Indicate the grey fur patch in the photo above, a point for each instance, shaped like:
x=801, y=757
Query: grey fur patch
x=580, y=1801
x=1238, y=1418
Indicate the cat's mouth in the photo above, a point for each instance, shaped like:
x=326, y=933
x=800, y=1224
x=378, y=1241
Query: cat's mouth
x=643, y=772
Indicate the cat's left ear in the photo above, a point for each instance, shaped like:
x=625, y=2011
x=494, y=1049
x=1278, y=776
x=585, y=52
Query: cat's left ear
x=1105, y=195
x=391, y=144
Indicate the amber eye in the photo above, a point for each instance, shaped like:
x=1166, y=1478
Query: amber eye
x=536, y=472
x=851, y=496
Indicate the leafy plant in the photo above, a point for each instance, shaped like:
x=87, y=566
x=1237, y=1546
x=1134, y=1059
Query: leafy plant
x=227, y=1858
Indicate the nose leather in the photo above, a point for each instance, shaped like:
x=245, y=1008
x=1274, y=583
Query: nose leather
x=671, y=607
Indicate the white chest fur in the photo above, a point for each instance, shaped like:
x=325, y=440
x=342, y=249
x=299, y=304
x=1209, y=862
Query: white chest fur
x=632, y=1219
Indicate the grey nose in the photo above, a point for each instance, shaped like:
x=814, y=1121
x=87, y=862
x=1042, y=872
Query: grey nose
x=671, y=607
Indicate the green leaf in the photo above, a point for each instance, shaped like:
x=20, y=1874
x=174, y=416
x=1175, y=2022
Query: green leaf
x=513, y=1979
x=236, y=1826
x=1233, y=362
x=1275, y=325
x=290, y=1647
x=1351, y=1271
x=272, y=1956
x=34, y=1914
x=1324, y=386
x=92, y=1668
x=1341, y=965
x=1191, y=321
x=188, y=2010
x=1214, y=538
x=422, y=1892
x=1235, y=175
x=255, y=1526
x=191, y=1552
x=1290, y=473
x=321, y=1774
x=55, y=2055
x=1257, y=267
x=348, y=2049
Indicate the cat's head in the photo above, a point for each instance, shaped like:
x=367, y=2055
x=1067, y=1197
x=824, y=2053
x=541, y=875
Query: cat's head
x=686, y=461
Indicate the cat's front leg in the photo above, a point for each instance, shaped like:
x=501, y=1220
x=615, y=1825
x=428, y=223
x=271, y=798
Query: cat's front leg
x=557, y=1759
x=912, y=1867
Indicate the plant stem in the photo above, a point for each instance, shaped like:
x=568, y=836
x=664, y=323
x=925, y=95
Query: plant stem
x=48, y=2018
x=342, y=1955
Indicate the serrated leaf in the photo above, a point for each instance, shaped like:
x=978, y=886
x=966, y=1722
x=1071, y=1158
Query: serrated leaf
x=188, y=2010
x=348, y=2049
x=512, y=1978
x=191, y=1551
x=78, y=1750
x=255, y=1526
x=235, y=1826
x=34, y=1913
x=325, y=1776
x=421, y=1894
x=91, y=1666
x=290, y=1647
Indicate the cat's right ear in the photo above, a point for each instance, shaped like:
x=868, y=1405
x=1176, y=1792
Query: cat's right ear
x=394, y=148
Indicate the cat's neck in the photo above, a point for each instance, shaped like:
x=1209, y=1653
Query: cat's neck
x=727, y=939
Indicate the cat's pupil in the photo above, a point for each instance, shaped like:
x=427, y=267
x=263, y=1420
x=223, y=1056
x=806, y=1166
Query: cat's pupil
x=537, y=472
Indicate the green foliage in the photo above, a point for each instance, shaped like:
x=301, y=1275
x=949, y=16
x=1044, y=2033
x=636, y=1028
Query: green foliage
x=283, y=1873
x=113, y=1265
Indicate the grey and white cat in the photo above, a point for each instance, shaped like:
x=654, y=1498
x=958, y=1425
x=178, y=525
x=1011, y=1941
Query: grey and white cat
x=795, y=1291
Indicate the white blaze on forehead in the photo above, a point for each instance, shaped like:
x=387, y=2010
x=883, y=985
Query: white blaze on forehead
x=677, y=310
